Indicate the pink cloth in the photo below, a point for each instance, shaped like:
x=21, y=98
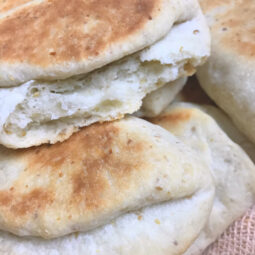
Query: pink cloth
x=238, y=239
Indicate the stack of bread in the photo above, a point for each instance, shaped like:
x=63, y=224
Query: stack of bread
x=102, y=150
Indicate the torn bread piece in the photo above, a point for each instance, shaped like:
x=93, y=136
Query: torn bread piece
x=38, y=112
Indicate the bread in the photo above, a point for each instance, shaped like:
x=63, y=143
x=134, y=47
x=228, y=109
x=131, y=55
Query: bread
x=40, y=112
x=233, y=171
x=228, y=77
x=61, y=38
x=92, y=177
x=153, y=200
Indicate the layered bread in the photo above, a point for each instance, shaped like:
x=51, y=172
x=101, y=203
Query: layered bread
x=129, y=186
x=228, y=77
x=54, y=98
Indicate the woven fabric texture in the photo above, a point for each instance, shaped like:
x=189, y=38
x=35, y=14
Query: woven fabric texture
x=238, y=239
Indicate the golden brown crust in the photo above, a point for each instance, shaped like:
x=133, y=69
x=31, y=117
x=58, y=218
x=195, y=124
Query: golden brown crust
x=77, y=177
x=100, y=173
x=7, y=5
x=173, y=118
x=56, y=31
x=235, y=27
x=208, y=5
x=238, y=25
x=26, y=203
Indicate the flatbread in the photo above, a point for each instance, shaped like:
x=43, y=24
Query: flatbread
x=229, y=77
x=47, y=112
x=60, y=38
x=169, y=182
x=93, y=177
x=233, y=171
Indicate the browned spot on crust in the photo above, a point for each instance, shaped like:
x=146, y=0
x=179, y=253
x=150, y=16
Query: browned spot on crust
x=89, y=152
x=208, y=5
x=88, y=188
x=5, y=198
x=237, y=28
x=29, y=203
x=171, y=119
x=69, y=30
x=6, y=5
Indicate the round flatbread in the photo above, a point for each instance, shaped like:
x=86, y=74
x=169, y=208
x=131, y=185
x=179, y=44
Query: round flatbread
x=228, y=77
x=92, y=182
x=98, y=174
x=38, y=112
